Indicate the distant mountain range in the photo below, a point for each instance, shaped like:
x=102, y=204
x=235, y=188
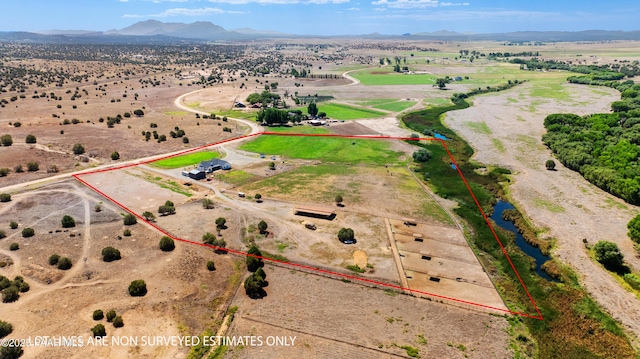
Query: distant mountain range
x=152, y=31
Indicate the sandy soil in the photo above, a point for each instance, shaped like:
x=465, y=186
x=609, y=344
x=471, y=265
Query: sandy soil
x=561, y=203
x=304, y=306
x=183, y=296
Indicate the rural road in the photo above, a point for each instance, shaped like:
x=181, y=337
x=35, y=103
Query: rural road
x=178, y=102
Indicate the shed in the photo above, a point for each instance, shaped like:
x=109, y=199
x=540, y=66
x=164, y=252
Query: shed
x=197, y=174
x=410, y=221
x=317, y=212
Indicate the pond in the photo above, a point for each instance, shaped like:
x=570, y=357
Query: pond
x=439, y=136
x=527, y=248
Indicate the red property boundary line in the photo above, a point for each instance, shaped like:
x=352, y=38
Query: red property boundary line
x=319, y=270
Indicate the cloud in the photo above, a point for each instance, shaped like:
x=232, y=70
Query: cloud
x=185, y=12
x=279, y=2
x=353, y=9
x=415, y=4
x=462, y=15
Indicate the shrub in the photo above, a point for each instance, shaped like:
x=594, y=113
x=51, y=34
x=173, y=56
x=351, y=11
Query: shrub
x=262, y=226
x=98, y=208
x=550, y=165
x=110, y=254
x=220, y=222
x=126, y=233
x=30, y=139
x=5, y=197
x=14, y=247
x=99, y=331
x=211, y=266
x=258, y=197
x=138, y=113
x=115, y=156
x=78, y=149
x=338, y=199
x=17, y=124
x=633, y=280
x=5, y=328
x=2, y=234
x=6, y=140
x=98, y=314
x=33, y=166
x=28, y=232
x=208, y=238
x=185, y=139
x=110, y=315
x=53, y=259
x=4, y=171
x=422, y=155
x=137, y=288
x=167, y=244
x=118, y=322
x=68, y=222
x=346, y=235
x=64, y=263
x=207, y=203
x=18, y=169
x=129, y=219
x=10, y=295
x=148, y=216
x=13, y=225
x=608, y=254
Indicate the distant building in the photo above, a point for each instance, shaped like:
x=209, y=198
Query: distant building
x=213, y=165
x=197, y=174
x=239, y=105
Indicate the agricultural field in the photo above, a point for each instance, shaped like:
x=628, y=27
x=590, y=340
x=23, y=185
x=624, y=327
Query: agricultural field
x=440, y=287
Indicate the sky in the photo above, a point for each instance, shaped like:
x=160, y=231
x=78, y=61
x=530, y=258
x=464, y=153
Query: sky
x=328, y=17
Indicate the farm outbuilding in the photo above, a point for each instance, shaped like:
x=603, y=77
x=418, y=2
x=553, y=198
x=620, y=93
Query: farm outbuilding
x=316, y=212
x=197, y=174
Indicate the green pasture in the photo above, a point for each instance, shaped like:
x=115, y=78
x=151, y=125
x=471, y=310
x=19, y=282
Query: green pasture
x=344, y=112
x=236, y=177
x=189, y=159
x=326, y=149
x=386, y=76
x=389, y=104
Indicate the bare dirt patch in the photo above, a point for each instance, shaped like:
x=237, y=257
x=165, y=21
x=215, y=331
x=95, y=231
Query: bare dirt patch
x=351, y=129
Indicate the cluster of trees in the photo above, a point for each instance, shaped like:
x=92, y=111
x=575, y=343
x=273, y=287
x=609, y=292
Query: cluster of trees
x=112, y=317
x=211, y=239
x=11, y=289
x=597, y=72
x=459, y=97
x=255, y=282
x=602, y=147
x=265, y=98
x=62, y=263
x=422, y=155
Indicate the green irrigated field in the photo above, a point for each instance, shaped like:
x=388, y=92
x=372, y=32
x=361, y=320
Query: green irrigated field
x=236, y=177
x=326, y=149
x=189, y=159
x=385, y=76
x=344, y=112
x=389, y=104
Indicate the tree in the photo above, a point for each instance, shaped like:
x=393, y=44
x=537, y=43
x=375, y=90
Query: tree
x=30, y=139
x=78, y=149
x=99, y=331
x=260, y=273
x=167, y=244
x=253, y=286
x=608, y=254
x=211, y=266
x=53, y=259
x=115, y=155
x=339, y=200
x=262, y=226
x=11, y=351
x=550, y=164
x=98, y=314
x=272, y=166
x=166, y=210
x=5, y=197
x=258, y=197
x=207, y=203
x=13, y=225
x=68, y=222
x=126, y=232
x=2, y=234
x=110, y=315
x=422, y=155
x=441, y=83
x=4, y=171
x=208, y=238
x=137, y=288
x=118, y=322
x=64, y=263
x=32, y=166
x=6, y=140
x=14, y=246
x=10, y=295
x=28, y=232
x=5, y=328
x=253, y=260
x=346, y=235
x=110, y=254
x=634, y=229
x=138, y=113
x=312, y=109
x=129, y=219
x=220, y=222
x=150, y=217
